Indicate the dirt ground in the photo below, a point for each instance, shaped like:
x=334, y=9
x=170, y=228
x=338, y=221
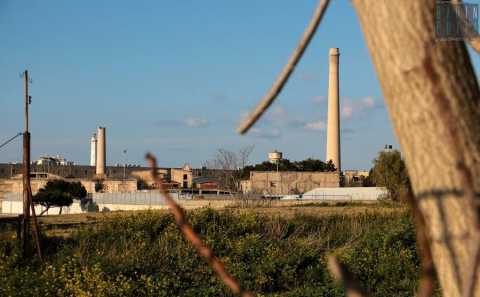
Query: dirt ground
x=64, y=225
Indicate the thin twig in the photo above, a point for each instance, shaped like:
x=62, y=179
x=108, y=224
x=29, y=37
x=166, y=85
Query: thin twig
x=346, y=278
x=190, y=235
x=287, y=69
x=427, y=272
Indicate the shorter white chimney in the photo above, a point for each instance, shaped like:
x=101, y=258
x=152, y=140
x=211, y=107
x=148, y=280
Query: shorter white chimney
x=93, y=150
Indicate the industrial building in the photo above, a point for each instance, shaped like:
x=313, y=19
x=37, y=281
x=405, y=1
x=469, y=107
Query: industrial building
x=288, y=182
x=114, y=179
x=98, y=177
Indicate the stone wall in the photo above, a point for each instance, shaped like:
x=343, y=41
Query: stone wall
x=290, y=182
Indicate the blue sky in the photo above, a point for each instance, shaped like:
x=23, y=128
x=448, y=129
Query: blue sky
x=176, y=77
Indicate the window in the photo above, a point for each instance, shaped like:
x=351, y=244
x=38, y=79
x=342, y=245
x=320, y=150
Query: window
x=185, y=177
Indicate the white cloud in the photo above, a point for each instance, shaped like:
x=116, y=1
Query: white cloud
x=319, y=125
x=266, y=134
x=347, y=110
x=351, y=107
x=196, y=122
x=318, y=99
x=279, y=117
x=368, y=102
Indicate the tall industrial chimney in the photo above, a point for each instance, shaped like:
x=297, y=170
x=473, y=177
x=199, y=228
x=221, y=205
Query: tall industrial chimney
x=93, y=150
x=101, y=155
x=333, y=124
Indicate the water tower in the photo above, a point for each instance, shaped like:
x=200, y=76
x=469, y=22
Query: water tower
x=275, y=157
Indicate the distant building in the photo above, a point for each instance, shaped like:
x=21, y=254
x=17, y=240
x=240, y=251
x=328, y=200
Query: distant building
x=288, y=182
x=206, y=183
x=39, y=179
x=58, y=160
x=183, y=175
x=355, y=177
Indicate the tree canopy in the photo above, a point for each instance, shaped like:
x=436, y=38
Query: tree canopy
x=59, y=193
x=286, y=165
x=389, y=171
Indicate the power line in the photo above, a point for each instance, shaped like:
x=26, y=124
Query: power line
x=6, y=142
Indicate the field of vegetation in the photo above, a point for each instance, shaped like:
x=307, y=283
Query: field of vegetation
x=143, y=254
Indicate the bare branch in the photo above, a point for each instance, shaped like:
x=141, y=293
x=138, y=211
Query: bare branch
x=346, y=278
x=190, y=235
x=287, y=70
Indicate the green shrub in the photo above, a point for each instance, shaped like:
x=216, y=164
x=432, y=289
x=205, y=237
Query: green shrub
x=145, y=255
x=386, y=262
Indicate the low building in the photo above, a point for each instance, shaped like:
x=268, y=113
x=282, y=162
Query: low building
x=47, y=160
x=355, y=177
x=183, y=176
x=39, y=179
x=71, y=171
x=145, y=175
x=116, y=179
x=289, y=182
x=205, y=183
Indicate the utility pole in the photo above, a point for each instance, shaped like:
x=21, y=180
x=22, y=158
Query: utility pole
x=124, y=165
x=26, y=171
x=27, y=190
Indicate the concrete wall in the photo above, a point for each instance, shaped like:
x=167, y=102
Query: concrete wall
x=13, y=204
x=291, y=182
x=351, y=193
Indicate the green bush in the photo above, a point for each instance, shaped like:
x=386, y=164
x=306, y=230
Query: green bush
x=145, y=255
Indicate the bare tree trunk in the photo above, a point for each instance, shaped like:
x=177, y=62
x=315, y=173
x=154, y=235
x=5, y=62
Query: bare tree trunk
x=432, y=95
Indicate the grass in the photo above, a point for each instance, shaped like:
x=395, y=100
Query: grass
x=143, y=254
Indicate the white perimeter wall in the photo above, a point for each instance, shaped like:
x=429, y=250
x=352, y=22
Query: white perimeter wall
x=152, y=200
x=352, y=193
x=13, y=204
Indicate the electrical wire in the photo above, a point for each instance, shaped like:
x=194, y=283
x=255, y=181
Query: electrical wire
x=9, y=140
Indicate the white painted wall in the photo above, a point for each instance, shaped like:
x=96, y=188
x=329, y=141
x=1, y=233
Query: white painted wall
x=350, y=193
x=16, y=207
x=13, y=204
